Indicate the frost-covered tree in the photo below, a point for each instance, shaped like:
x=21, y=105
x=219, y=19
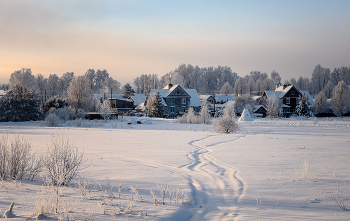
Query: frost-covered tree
x=328, y=89
x=204, y=115
x=65, y=81
x=157, y=106
x=303, y=108
x=79, y=93
x=240, y=86
x=25, y=79
x=106, y=110
x=229, y=110
x=52, y=85
x=19, y=104
x=242, y=101
x=320, y=77
x=148, y=105
x=275, y=77
x=250, y=85
x=128, y=90
x=341, y=99
x=41, y=82
x=274, y=106
x=320, y=103
x=226, y=88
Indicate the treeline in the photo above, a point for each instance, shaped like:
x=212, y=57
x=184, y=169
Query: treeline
x=99, y=82
x=209, y=80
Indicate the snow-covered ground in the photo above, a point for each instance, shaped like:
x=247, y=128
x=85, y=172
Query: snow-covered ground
x=283, y=169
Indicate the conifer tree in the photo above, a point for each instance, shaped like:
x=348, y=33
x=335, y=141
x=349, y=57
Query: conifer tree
x=19, y=104
x=157, y=106
x=303, y=108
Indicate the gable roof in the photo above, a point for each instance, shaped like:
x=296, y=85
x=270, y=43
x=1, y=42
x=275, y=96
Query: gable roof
x=165, y=92
x=138, y=99
x=280, y=92
x=114, y=96
x=194, y=100
x=224, y=97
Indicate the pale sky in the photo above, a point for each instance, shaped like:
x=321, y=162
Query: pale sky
x=130, y=38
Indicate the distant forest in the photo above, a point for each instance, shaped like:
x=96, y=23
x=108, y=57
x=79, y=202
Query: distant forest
x=207, y=80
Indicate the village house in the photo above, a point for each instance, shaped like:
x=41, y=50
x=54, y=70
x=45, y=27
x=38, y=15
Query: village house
x=117, y=101
x=289, y=96
x=176, y=100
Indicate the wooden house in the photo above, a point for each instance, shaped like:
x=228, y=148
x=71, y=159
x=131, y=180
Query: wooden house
x=176, y=100
x=289, y=96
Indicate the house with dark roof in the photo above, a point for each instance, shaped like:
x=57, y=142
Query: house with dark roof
x=289, y=96
x=117, y=101
x=176, y=100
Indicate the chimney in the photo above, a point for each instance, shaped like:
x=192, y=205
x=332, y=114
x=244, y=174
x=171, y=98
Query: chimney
x=284, y=86
x=170, y=86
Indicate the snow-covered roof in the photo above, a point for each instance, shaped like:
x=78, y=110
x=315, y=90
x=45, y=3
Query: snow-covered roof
x=224, y=98
x=256, y=97
x=256, y=107
x=278, y=94
x=138, y=99
x=2, y=92
x=194, y=100
x=114, y=96
x=204, y=97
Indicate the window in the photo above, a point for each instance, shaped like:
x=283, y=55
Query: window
x=287, y=100
x=177, y=92
x=297, y=100
x=172, y=109
x=183, y=101
x=172, y=100
x=293, y=92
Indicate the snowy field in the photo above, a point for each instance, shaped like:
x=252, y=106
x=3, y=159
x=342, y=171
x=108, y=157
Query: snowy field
x=284, y=169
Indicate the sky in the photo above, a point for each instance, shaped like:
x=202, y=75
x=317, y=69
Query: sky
x=134, y=37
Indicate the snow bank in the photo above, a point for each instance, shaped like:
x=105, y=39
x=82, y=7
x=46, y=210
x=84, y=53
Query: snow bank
x=245, y=116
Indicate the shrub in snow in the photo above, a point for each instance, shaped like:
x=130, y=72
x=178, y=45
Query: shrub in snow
x=16, y=160
x=191, y=118
x=225, y=124
x=52, y=120
x=62, y=161
x=78, y=122
x=55, y=103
